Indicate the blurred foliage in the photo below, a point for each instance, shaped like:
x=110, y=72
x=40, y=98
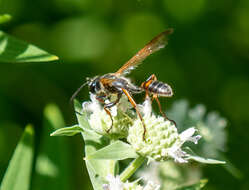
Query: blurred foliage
x=210, y=126
x=18, y=174
x=206, y=61
x=4, y=18
x=51, y=172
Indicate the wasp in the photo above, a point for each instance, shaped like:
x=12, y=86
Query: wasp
x=157, y=88
x=117, y=84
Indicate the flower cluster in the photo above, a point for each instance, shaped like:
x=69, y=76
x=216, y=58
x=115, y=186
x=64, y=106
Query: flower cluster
x=162, y=140
x=114, y=183
x=101, y=122
x=158, y=141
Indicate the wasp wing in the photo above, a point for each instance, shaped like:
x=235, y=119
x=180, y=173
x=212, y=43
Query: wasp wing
x=157, y=43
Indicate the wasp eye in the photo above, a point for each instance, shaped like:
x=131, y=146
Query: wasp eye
x=92, y=87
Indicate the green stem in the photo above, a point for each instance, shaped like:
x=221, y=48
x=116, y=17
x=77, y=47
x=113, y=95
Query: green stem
x=130, y=170
x=112, y=163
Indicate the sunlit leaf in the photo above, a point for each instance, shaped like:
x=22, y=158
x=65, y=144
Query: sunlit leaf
x=14, y=50
x=97, y=169
x=116, y=151
x=4, y=18
x=52, y=169
x=18, y=174
x=196, y=186
x=67, y=131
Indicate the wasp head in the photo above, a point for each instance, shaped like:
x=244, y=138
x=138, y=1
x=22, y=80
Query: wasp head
x=94, y=84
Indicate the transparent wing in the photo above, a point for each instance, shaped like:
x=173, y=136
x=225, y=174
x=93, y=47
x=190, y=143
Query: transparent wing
x=157, y=43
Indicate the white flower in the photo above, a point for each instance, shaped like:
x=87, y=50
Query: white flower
x=115, y=183
x=101, y=122
x=151, y=186
x=175, y=151
x=162, y=140
x=150, y=172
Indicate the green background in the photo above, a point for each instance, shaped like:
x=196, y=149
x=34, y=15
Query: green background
x=206, y=61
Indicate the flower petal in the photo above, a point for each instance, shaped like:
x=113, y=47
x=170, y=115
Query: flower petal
x=151, y=186
x=114, y=183
x=194, y=139
x=187, y=135
x=177, y=154
x=147, y=109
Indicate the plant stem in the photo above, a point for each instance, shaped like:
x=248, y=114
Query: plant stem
x=130, y=170
x=112, y=163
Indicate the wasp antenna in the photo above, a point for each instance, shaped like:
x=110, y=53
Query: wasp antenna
x=77, y=91
x=169, y=31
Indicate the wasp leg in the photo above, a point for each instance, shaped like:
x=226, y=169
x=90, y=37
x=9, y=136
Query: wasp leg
x=152, y=78
x=109, y=113
x=109, y=105
x=146, y=84
x=101, y=98
x=78, y=113
x=133, y=103
x=160, y=109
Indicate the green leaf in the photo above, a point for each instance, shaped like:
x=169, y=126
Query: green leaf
x=97, y=169
x=52, y=169
x=196, y=186
x=14, y=50
x=4, y=18
x=67, y=131
x=18, y=174
x=205, y=160
x=115, y=151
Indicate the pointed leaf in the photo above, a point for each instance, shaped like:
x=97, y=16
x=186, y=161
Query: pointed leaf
x=97, y=169
x=14, y=50
x=115, y=151
x=4, y=18
x=205, y=160
x=52, y=169
x=67, y=131
x=196, y=186
x=18, y=174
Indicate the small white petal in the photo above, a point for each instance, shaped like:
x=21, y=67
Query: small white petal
x=91, y=106
x=147, y=109
x=85, y=105
x=105, y=186
x=114, y=111
x=151, y=186
x=195, y=139
x=185, y=135
x=114, y=182
x=151, y=172
x=177, y=155
x=93, y=97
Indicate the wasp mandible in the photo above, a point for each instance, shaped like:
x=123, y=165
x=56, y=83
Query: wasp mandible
x=117, y=84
